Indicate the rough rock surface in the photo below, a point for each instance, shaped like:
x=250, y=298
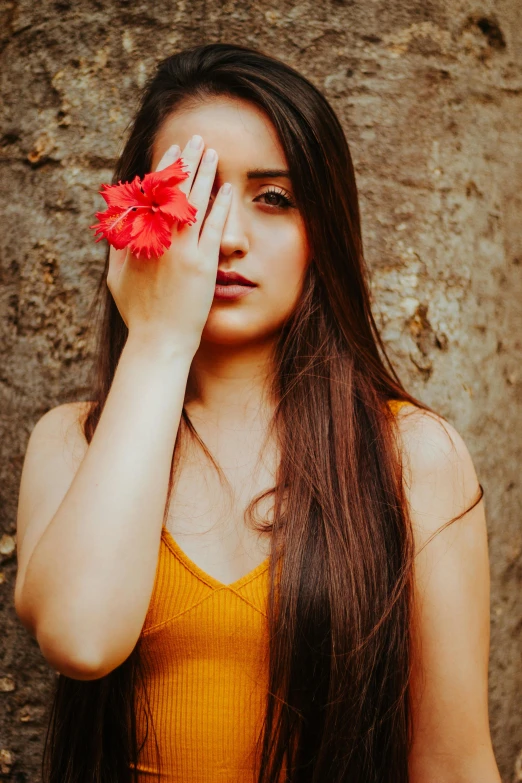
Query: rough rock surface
x=430, y=95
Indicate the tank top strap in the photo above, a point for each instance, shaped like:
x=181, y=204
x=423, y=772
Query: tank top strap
x=396, y=405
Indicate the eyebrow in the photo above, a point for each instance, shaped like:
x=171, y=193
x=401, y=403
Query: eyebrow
x=261, y=173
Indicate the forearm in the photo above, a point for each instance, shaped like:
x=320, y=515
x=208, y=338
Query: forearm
x=89, y=580
x=469, y=767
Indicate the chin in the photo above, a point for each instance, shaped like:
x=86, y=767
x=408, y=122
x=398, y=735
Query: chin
x=236, y=332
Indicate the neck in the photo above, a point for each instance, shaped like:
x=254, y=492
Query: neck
x=231, y=382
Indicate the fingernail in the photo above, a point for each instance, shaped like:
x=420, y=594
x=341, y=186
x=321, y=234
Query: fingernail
x=227, y=187
x=196, y=142
x=174, y=150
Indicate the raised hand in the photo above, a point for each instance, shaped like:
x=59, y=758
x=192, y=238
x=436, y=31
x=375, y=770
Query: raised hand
x=167, y=300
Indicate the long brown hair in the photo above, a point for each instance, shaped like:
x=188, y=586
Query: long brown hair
x=338, y=703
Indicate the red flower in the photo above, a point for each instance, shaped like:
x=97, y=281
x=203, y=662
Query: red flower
x=140, y=214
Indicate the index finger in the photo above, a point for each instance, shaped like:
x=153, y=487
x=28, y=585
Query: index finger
x=171, y=155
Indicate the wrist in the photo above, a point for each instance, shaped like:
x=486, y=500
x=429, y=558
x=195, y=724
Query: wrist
x=159, y=350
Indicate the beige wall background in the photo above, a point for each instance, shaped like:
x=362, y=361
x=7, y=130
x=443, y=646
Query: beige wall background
x=430, y=96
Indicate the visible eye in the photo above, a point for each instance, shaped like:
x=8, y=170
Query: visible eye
x=276, y=196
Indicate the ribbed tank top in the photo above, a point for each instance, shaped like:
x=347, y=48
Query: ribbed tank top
x=204, y=650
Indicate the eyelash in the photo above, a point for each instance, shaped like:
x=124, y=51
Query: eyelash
x=287, y=201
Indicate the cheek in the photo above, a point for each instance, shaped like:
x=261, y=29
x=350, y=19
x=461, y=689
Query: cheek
x=282, y=255
x=284, y=262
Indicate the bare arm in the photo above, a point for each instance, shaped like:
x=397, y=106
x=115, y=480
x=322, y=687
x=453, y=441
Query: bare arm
x=87, y=565
x=451, y=742
x=85, y=590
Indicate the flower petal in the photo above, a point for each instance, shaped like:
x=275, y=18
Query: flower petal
x=151, y=235
x=170, y=175
x=115, y=225
x=140, y=214
x=176, y=205
x=125, y=194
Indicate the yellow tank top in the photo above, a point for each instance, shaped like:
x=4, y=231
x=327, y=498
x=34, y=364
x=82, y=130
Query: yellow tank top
x=204, y=648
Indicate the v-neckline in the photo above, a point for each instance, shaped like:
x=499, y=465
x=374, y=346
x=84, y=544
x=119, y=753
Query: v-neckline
x=201, y=574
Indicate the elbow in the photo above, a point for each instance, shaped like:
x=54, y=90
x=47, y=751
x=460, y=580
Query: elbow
x=79, y=661
x=68, y=645
x=80, y=658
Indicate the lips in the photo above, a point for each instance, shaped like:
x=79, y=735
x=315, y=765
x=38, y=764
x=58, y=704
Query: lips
x=232, y=278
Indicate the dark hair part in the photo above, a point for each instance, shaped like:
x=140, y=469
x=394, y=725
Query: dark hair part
x=338, y=706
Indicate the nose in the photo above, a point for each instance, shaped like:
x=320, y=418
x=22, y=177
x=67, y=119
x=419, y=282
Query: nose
x=234, y=239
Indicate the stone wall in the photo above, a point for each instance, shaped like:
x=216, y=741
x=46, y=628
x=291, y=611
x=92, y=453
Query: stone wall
x=430, y=96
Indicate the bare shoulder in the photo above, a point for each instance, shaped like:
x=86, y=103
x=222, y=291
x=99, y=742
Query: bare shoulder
x=440, y=478
x=63, y=422
x=429, y=435
x=54, y=451
x=56, y=444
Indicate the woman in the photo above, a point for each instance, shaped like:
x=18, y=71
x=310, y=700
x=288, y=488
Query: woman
x=343, y=636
